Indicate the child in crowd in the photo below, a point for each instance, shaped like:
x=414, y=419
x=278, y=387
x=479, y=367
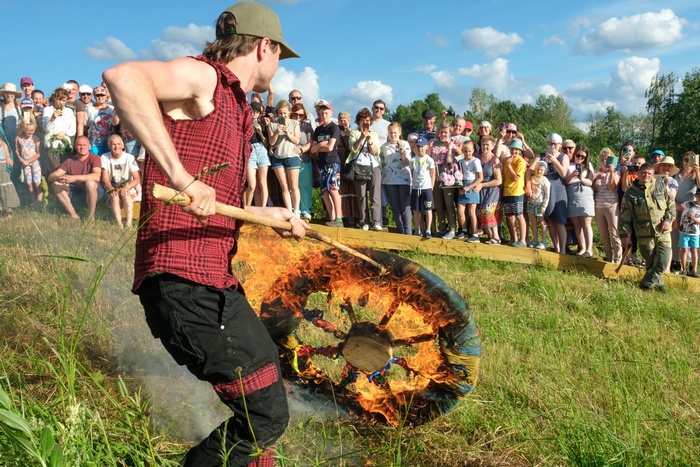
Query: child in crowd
x=28, y=148
x=514, y=167
x=423, y=180
x=689, y=235
x=468, y=198
x=537, y=205
x=8, y=196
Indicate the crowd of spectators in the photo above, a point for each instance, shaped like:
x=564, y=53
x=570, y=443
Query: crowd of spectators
x=437, y=180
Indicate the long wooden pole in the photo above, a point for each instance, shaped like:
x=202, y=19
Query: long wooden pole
x=170, y=195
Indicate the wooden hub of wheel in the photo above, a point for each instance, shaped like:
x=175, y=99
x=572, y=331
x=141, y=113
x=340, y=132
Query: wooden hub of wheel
x=367, y=348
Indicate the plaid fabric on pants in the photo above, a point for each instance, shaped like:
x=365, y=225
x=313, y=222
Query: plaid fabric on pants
x=218, y=336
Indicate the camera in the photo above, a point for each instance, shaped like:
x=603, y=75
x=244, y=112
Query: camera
x=578, y=167
x=281, y=121
x=626, y=150
x=633, y=168
x=450, y=113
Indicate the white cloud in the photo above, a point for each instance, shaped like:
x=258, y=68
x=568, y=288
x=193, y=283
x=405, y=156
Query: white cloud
x=634, y=33
x=110, y=49
x=492, y=42
x=179, y=42
x=493, y=77
x=438, y=41
x=633, y=77
x=554, y=40
x=306, y=82
x=546, y=90
x=624, y=89
x=362, y=95
x=444, y=79
x=425, y=68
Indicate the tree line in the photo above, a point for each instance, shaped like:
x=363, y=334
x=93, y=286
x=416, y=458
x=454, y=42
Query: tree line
x=670, y=123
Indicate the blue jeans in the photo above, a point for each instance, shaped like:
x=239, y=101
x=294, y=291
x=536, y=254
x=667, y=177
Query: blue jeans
x=400, y=201
x=218, y=336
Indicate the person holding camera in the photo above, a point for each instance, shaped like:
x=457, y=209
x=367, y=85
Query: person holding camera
x=649, y=210
x=688, y=179
x=364, y=149
x=556, y=212
x=284, y=136
x=607, y=205
x=630, y=162
x=580, y=207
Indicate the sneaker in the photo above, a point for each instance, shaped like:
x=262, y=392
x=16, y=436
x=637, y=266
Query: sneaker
x=306, y=216
x=693, y=274
x=494, y=241
x=540, y=246
x=377, y=227
x=519, y=245
x=417, y=232
x=428, y=234
x=365, y=227
x=449, y=235
x=335, y=223
x=473, y=239
x=460, y=235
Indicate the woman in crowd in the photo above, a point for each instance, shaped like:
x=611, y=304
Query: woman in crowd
x=580, y=206
x=58, y=122
x=607, y=207
x=364, y=147
x=488, y=211
x=259, y=162
x=396, y=177
x=688, y=179
x=306, y=172
x=284, y=136
x=9, y=112
x=444, y=197
x=666, y=167
x=556, y=213
x=100, y=121
x=348, y=197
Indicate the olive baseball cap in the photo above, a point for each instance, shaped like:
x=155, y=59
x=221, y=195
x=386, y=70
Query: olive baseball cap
x=258, y=20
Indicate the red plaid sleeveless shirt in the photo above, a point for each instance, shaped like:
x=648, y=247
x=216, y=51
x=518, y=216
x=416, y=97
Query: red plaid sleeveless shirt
x=171, y=241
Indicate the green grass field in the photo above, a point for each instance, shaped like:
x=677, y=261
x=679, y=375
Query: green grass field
x=575, y=370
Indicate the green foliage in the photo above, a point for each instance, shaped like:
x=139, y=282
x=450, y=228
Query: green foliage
x=410, y=115
x=675, y=113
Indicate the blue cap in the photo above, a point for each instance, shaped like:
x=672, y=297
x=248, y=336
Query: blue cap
x=421, y=141
x=26, y=102
x=657, y=151
x=516, y=143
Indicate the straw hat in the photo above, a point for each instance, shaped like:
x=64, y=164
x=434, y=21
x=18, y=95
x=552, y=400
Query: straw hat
x=10, y=87
x=667, y=160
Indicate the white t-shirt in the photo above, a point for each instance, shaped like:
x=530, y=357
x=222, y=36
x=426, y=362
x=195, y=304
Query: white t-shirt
x=393, y=170
x=420, y=167
x=381, y=128
x=120, y=169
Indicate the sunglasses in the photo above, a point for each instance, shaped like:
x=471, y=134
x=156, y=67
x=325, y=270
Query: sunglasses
x=86, y=94
x=579, y=156
x=100, y=95
x=296, y=115
x=295, y=98
x=378, y=108
x=511, y=132
x=571, y=148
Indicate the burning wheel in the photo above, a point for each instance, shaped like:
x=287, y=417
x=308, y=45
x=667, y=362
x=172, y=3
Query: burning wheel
x=392, y=347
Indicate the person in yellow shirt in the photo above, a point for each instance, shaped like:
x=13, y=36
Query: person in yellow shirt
x=514, y=167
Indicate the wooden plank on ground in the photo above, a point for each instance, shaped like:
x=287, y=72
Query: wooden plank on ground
x=386, y=240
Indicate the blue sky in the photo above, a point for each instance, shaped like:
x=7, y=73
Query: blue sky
x=593, y=53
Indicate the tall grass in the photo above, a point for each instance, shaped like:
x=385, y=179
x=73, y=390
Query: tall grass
x=575, y=370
